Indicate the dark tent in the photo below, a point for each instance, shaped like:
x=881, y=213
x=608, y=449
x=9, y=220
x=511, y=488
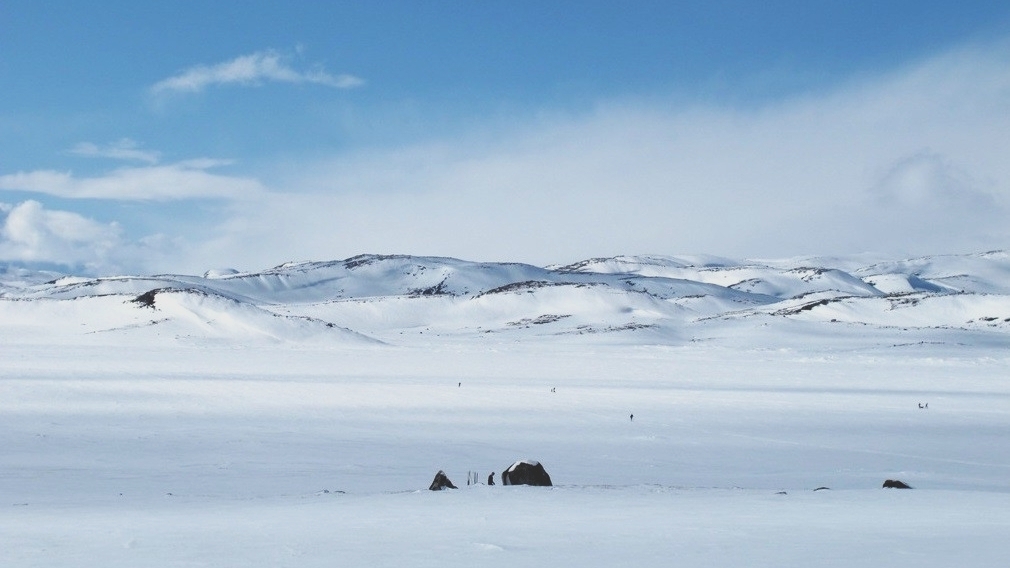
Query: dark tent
x=896, y=484
x=441, y=482
x=526, y=472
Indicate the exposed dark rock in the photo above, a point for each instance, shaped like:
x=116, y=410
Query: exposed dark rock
x=146, y=299
x=366, y=259
x=526, y=472
x=526, y=285
x=436, y=290
x=441, y=482
x=895, y=484
x=630, y=326
x=539, y=320
x=808, y=306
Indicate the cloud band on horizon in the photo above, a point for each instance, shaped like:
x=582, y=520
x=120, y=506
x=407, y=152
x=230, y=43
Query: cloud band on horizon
x=912, y=161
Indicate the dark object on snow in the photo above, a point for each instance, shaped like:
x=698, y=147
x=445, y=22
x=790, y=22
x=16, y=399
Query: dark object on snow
x=146, y=299
x=526, y=472
x=632, y=417
x=490, y=478
x=895, y=484
x=441, y=482
x=823, y=489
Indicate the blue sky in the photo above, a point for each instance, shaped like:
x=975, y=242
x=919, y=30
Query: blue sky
x=194, y=135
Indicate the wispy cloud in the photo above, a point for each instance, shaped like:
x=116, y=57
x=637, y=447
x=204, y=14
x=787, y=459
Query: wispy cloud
x=182, y=180
x=123, y=149
x=253, y=69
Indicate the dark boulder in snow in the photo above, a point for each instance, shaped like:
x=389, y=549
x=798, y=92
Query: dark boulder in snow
x=441, y=482
x=146, y=299
x=526, y=472
x=895, y=484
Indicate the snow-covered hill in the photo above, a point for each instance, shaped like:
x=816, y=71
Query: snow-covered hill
x=653, y=299
x=690, y=410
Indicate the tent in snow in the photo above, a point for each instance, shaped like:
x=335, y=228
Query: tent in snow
x=441, y=482
x=526, y=472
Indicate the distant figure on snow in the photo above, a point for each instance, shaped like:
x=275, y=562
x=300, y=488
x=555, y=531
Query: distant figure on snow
x=490, y=479
x=632, y=417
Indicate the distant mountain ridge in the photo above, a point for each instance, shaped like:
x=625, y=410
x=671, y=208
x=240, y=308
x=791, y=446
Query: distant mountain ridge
x=661, y=298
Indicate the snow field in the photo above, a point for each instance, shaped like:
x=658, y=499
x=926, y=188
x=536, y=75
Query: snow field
x=157, y=452
x=502, y=526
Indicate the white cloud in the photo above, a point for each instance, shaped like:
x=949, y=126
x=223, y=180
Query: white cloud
x=32, y=233
x=905, y=163
x=182, y=180
x=252, y=69
x=123, y=149
x=928, y=181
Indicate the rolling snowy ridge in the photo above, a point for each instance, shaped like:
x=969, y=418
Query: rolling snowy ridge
x=669, y=299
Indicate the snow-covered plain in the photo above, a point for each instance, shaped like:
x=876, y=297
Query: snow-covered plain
x=295, y=416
